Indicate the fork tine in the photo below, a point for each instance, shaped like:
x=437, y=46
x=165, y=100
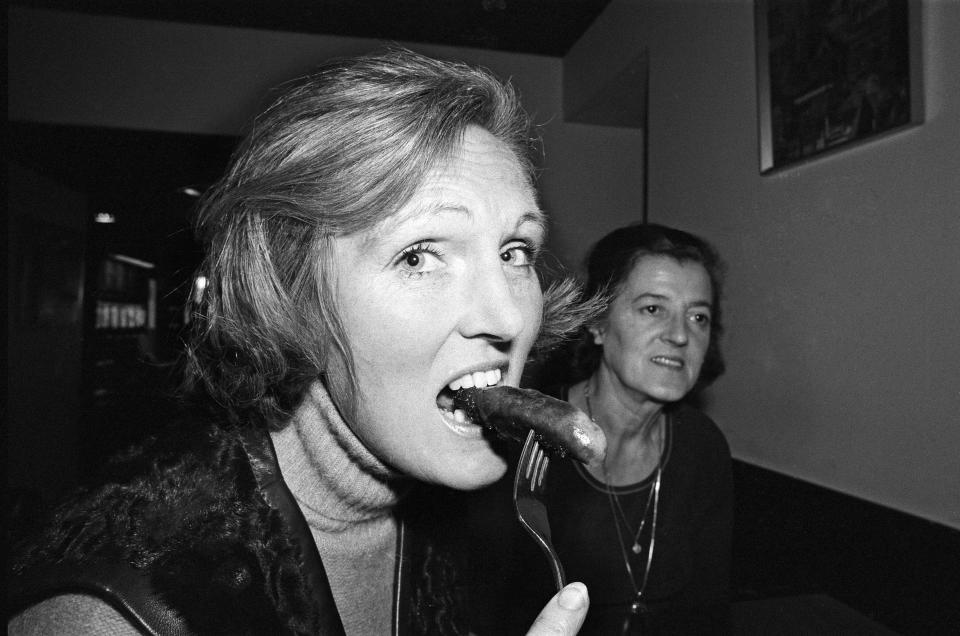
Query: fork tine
x=540, y=464
x=529, y=460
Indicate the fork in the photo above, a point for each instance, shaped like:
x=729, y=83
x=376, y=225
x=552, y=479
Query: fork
x=528, y=499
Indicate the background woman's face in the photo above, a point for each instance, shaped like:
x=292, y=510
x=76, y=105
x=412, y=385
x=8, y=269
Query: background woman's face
x=657, y=330
x=443, y=289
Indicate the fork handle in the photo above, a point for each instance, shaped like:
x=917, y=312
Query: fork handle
x=556, y=568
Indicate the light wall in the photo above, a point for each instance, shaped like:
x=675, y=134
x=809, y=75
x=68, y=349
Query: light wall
x=842, y=302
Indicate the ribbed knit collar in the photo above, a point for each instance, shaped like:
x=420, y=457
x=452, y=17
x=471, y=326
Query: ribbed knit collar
x=336, y=480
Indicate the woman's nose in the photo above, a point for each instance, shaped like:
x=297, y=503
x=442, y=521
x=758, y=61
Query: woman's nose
x=677, y=330
x=494, y=307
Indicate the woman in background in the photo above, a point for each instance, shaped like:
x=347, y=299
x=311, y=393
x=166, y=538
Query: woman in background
x=373, y=241
x=649, y=531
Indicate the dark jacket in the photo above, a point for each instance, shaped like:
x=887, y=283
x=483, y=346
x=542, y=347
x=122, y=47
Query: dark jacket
x=198, y=534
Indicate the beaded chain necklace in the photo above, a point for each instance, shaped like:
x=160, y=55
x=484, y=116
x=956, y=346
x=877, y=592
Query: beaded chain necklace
x=638, y=605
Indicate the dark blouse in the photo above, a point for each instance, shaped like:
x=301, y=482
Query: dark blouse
x=687, y=592
x=689, y=572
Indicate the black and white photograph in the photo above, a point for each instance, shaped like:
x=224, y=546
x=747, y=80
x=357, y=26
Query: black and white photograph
x=482, y=317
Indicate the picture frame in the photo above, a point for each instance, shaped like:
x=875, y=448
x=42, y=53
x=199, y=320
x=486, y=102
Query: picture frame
x=832, y=75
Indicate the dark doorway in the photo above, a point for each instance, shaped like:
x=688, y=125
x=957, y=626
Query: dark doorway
x=96, y=308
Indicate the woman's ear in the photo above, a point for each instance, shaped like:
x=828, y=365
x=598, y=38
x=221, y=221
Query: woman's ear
x=597, y=332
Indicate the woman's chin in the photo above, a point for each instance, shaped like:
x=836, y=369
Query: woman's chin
x=475, y=472
x=667, y=393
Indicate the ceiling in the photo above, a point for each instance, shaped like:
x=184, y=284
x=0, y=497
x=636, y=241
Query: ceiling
x=543, y=27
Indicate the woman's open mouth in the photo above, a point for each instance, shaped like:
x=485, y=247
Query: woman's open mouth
x=455, y=418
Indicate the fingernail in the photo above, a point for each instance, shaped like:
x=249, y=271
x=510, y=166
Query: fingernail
x=573, y=597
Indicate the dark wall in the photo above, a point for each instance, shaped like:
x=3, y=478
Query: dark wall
x=792, y=537
x=45, y=261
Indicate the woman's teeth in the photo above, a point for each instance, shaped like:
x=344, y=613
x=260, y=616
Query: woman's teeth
x=477, y=379
x=669, y=362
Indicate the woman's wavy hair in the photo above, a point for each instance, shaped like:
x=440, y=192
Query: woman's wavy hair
x=338, y=151
x=609, y=265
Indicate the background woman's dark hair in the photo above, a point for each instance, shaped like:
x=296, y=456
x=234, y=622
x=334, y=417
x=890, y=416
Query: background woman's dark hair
x=609, y=265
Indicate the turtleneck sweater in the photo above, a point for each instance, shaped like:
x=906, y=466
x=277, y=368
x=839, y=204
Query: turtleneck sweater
x=347, y=496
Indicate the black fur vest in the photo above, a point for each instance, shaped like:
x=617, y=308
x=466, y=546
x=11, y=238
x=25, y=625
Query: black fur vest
x=198, y=534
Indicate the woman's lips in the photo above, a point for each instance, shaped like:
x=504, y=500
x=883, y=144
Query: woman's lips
x=463, y=426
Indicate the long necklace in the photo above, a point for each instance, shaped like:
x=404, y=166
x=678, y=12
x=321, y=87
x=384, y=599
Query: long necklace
x=636, y=548
x=637, y=606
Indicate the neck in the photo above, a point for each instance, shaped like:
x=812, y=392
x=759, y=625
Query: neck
x=634, y=429
x=335, y=479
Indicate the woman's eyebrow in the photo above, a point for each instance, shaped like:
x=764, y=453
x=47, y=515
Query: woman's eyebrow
x=437, y=208
x=428, y=208
x=536, y=217
x=649, y=296
x=654, y=296
x=390, y=225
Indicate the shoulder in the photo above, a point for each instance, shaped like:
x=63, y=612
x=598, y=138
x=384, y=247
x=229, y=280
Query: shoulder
x=71, y=615
x=180, y=519
x=147, y=493
x=166, y=509
x=697, y=429
x=700, y=454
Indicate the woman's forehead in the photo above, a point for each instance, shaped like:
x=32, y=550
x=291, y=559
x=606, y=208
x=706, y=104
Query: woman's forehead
x=654, y=272
x=481, y=170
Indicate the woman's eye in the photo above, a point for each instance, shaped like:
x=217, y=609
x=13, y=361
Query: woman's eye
x=522, y=255
x=701, y=319
x=419, y=259
x=652, y=310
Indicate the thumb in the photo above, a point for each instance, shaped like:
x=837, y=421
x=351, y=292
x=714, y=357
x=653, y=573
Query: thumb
x=564, y=613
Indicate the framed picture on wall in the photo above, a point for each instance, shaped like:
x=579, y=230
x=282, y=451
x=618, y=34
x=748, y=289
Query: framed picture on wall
x=834, y=73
